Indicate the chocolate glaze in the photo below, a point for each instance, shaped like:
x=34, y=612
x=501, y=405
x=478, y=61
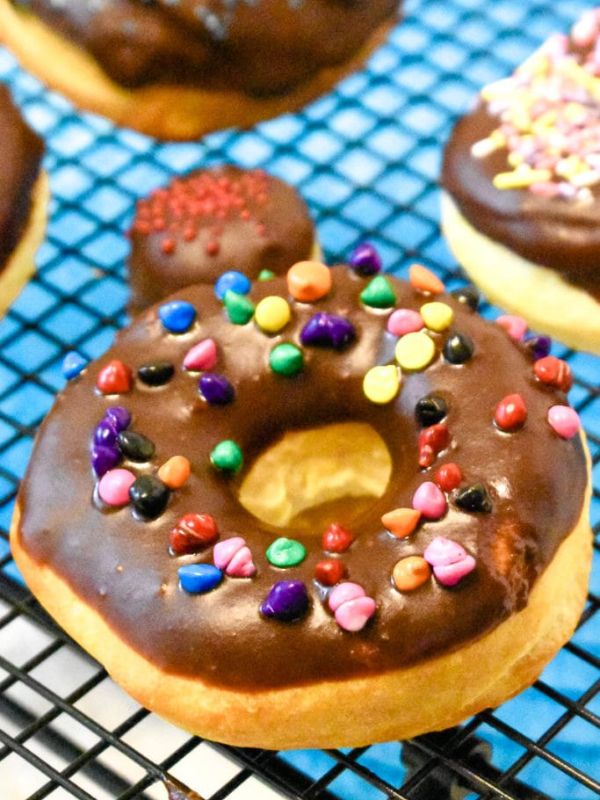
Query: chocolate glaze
x=264, y=47
x=21, y=152
x=121, y=567
x=270, y=229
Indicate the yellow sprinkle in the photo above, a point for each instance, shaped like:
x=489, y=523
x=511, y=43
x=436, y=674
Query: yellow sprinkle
x=415, y=351
x=381, y=384
x=272, y=314
x=520, y=179
x=515, y=159
x=437, y=316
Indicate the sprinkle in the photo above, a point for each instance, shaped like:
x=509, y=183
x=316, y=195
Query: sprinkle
x=468, y=296
x=216, y=389
x=401, y=521
x=285, y=553
x=73, y=365
x=272, y=314
x=232, y=281
x=554, y=372
x=424, y=280
x=403, y=321
x=329, y=571
x=564, y=420
x=287, y=601
x=240, y=309
x=114, y=378
x=104, y=458
x=114, y=486
x=485, y=147
x=234, y=557
x=381, y=384
x=336, y=539
x=344, y=593
x=450, y=561
x=474, y=498
x=520, y=179
x=351, y=607
x=515, y=326
x=309, y=281
x=410, y=573
x=105, y=433
x=199, y=578
x=379, y=293
x=119, y=417
x=149, y=496
x=448, y=477
x=202, y=356
x=415, y=351
x=458, y=349
x=286, y=359
x=328, y=330
x=430, y=501
x=437, y=316
x=266, y=275
x=430, y=409
x=192, y=533
x=539, y=346
x=227, y=456
x=365, y=260
x=177, y=316
x=135, y=447
x=432, y=440
x=156, y=373
x=175, y=472
x=511, y=413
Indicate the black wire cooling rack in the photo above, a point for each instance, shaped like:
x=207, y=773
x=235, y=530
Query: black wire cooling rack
x=366, y=159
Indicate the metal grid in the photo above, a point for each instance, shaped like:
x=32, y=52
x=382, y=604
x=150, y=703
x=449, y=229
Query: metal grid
x=366, y=158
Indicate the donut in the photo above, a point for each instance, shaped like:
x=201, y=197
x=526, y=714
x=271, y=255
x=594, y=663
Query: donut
x=179, y=70
x=200, y=226
x=23, y=200
x=418, y=491
x=521, y=180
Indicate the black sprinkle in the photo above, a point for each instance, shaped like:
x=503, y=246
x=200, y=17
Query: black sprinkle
x=474, y=498
x=156, y=373
x=458, y=349
x=135, y=446
x=149, y=496
x=430, y=410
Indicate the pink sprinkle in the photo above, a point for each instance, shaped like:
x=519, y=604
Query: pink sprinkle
x=441, y=551
x=225, y=550
x=430, y=501
x=516, y=327
x=241, y=565
x=201, y=356
x=451, y=574
x=564, y=420
x=354, y=615
x=114, y=486
x=403, y=321
x=343, y=593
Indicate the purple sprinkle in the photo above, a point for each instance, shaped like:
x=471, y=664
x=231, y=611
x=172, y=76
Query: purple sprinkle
x=216, y=389
x=106, y=433
x=119, y=416
x=365, y=259
x=539, y=346
x=328, y=330
x=104, y=458
x=286, y=601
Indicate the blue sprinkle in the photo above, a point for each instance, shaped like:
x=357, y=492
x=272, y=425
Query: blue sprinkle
x=177, y=316
x=199, y=578
x=73, y=364
x=232, y=281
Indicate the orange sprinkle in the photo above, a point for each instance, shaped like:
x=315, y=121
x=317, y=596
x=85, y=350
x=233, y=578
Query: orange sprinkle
x=423, y=280
x=410, y=573
x=308, y=281
x=401, y=521
x=175, y=472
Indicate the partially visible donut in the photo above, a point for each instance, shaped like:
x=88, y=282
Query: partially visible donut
x=214, y=221
x=464, y=576
x=179, y=70
x=23, y=200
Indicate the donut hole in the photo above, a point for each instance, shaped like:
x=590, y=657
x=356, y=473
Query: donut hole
x=309, y=477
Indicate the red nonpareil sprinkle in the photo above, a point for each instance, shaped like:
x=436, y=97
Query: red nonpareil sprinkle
x=432, y=440
x=192, y=533
x=511, y=413
x=337, y=539
x=554, y=372
x=448, y=477
x=330, y=571
x=115, y=378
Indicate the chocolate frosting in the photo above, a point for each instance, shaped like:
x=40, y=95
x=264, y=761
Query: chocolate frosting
x=264, y=47
x=121, y=566
x=253, y=222
x=21, y=152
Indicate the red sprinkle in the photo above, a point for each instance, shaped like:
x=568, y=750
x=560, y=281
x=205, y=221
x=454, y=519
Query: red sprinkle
x=432, y=440
x=511, y=413
x=337, y=539
x=448, y=477
x=114, y=378
x=193, y=532
x=330, y=571
x=554, y=372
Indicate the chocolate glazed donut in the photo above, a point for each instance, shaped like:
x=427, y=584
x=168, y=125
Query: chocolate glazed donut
x=259, y=629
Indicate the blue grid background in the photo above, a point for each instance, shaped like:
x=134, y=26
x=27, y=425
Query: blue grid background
x=366, y=158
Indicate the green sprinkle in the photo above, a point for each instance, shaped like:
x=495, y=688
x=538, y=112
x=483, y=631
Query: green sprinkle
x=266, y=275
x=240, y=309
x=379, y=293
x=227, y=456
x=286, y=552
x=286, y=359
